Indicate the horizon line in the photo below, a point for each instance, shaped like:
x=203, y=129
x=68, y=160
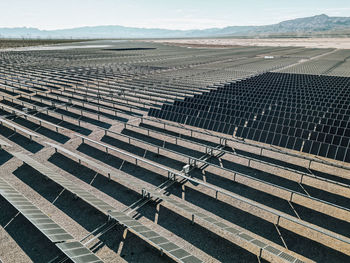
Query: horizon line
x=171, y=29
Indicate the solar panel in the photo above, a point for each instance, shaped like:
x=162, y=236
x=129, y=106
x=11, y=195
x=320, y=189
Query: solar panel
x=341, y=152
x=216, y=223
x=307, y=147
x=278, y=103
x=65, y=183
x=154, y=238
x=78, y=253
x=332, y=151
x=40, y=220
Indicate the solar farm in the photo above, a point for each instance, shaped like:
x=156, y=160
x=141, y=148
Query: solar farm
x=131, y=151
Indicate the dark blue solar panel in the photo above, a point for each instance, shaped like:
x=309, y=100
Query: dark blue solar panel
x=275, y=108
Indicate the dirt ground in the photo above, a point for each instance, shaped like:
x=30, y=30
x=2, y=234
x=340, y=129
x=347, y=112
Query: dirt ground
x=340, y=43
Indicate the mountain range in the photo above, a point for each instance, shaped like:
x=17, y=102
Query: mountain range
x=308, y=26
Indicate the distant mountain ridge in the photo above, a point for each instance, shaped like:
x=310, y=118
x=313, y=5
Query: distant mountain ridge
x=303, y=26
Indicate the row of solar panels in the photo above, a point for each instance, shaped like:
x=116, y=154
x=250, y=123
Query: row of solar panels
x=78, y=252
x=299, y=107
x=326, y=132
x=261, y=97
x=297, y=128
x=326, y=145
x=139, y=160
x=240, y=88
x=305, y=122
x=339, y=111
x=296, y=78
x=295, y=113
x=329, y=137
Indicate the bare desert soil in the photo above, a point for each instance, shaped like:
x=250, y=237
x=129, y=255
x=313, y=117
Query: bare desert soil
x=340, y=43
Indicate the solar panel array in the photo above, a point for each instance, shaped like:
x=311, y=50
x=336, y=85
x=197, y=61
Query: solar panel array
x=79, y=118
x=40, y=220
x=74, y=250
x=307, y=113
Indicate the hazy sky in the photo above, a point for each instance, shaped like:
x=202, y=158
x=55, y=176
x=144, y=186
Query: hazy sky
x=172, y=14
